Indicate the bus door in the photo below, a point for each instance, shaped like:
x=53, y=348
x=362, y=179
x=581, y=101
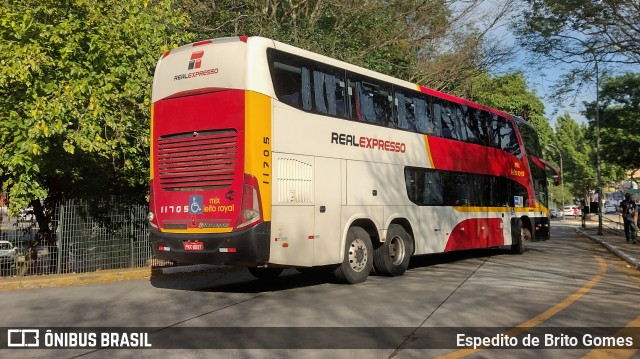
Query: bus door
x=328, y=194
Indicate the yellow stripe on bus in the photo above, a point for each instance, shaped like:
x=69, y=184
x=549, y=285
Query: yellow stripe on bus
x=257, y=155
x=499, y=209
x=426, y=141
x=198, y=230
x=151, y=145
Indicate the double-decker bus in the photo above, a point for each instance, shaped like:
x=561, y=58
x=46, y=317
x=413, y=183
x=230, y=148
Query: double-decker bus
x=268, y=156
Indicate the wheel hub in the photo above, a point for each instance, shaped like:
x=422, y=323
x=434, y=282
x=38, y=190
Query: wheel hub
x=396, y=250
x=358, y=255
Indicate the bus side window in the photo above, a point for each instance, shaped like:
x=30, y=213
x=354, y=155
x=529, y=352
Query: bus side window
x=406, y=112
x=382, y=106
x=456, y=190
x=484, y=127
x=495, y=126
x=306, y=88
x=292, y=85
x=373, y=103
x=446, y=119
x=364, y=103
x=413, y=181
x=468, y=128
x=500, y=191
x=407, y=108
x=435, y=125
x=351, y=101
x=328, y=93
x=424, y=123
x=508, y=139
x=459, y=113
x=432, y=189
x=481, y=192
x=319, y=92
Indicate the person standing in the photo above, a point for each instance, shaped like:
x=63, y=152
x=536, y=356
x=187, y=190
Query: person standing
x=628, y=209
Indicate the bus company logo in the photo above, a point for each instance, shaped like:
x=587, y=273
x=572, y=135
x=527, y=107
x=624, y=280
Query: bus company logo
x=516, y=171
x=196, y=60
x=195, y=63
x=367, y=142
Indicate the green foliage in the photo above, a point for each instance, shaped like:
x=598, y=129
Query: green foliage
x=580, y=33
x=575, y=30
x=75, y=80
x=75, y=76
x=414, y=40
x=578, y=157
x=361, y=32
x=619, y=120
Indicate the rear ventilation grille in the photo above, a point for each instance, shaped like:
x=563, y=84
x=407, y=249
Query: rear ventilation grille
x=197, y=160
x=294, y=181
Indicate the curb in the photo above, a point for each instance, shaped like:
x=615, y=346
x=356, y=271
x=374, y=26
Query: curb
x=63, y=280
x=100, y=277
x=612, y=249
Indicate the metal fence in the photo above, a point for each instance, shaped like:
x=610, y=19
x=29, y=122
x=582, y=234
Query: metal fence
x=87, y=235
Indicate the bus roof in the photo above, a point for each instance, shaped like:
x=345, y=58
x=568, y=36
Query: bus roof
x=255, y=45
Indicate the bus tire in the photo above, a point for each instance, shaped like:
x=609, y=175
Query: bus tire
x=265, y=273
x=358, y=257
x=525, y=235
x=391, y=258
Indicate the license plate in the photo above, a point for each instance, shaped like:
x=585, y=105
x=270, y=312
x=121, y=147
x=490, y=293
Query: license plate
x=193, y=246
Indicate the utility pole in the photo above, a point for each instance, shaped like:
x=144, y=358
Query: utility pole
x=598, y=148
x=561, y=177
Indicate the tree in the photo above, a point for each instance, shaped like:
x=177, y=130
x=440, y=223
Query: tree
x=421, y=41
x=578, y=156
x=619, y=121
x=573, y=30
x=75, y=80
x=581, y=34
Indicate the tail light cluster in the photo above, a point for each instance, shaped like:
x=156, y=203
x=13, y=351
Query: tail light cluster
x=151, y=217
x=251, y=208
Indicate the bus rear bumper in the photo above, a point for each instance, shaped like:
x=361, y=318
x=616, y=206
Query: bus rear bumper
x=247, y=248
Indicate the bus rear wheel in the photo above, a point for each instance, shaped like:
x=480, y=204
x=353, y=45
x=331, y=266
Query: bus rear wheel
x=358, y=261
x=391, y=258
x=265, y=273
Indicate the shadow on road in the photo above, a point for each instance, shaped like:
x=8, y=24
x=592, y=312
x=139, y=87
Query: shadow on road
x=239, y=280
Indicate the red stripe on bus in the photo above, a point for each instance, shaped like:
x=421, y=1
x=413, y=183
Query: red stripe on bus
x=476, y=233
x=452, y=155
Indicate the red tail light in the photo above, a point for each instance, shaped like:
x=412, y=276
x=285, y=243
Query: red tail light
x=151, y=216
x=251, y=208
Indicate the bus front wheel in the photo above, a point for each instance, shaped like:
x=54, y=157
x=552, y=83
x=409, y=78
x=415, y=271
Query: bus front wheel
x=391, y=258
x=358, y=257
x=525, y=235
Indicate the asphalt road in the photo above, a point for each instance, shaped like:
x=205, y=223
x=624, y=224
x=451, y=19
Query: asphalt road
x=564, y=289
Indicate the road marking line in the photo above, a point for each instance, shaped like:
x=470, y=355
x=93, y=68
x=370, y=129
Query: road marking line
x=540, y=318
x=630, y=330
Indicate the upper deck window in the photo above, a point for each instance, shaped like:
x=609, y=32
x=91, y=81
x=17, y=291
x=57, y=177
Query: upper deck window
x=327, y=90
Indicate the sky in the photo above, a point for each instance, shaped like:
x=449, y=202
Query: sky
x=541, y=80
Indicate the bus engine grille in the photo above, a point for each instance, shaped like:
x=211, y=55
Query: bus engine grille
x=197, y=160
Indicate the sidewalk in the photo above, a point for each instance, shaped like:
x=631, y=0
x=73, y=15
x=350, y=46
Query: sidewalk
x=105, y=276
x=614, y=241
